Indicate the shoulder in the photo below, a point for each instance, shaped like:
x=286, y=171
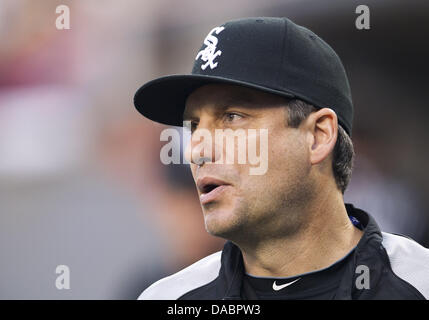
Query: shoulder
x=409, y=260
x=196, y=275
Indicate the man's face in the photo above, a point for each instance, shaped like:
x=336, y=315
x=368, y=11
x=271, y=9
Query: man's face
x=236, y=204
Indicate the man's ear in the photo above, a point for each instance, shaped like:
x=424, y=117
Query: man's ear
x=322, y=127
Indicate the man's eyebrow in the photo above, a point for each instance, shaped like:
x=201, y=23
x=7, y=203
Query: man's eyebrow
x=235, y=100
x=239, y=99
x=187, y=115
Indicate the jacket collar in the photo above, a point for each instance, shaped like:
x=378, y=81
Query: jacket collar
x=231, y=274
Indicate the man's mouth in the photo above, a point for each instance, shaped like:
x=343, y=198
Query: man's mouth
x=210, y=189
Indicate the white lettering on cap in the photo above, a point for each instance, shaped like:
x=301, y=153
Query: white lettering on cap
x=209, y=53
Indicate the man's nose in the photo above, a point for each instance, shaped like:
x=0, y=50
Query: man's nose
x=202, y=147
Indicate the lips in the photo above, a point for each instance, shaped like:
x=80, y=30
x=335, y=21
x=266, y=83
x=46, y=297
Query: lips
x=210, y=189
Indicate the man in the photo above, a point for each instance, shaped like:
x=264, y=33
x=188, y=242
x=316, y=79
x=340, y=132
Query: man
x=290, y=235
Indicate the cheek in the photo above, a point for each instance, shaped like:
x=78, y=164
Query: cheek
x=287, y=156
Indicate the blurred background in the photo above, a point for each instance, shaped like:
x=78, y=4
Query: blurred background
x=81, y=182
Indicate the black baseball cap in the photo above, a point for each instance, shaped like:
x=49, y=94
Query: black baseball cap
x=274, y=55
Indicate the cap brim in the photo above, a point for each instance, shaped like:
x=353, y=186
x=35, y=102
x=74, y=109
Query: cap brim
x=163, y=99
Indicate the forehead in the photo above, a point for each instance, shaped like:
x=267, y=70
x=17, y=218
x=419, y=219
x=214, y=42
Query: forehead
x=221, y=95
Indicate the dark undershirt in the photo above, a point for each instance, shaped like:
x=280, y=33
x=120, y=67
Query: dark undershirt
x=321, y=284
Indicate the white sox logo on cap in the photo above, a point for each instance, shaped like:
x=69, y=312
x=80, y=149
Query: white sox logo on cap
x=209, y=53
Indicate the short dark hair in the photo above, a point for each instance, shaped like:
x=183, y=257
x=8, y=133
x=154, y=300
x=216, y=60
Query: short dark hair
x=343, y=153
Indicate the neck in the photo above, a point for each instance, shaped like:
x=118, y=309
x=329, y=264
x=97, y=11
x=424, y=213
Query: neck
x=325, y=238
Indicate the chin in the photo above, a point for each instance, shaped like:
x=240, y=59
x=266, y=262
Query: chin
x=222, y=223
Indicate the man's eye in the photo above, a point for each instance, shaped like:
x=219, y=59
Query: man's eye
x=194, y=126
x=230, y=116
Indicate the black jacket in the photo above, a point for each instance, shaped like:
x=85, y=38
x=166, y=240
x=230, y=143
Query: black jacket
x=398, y=269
